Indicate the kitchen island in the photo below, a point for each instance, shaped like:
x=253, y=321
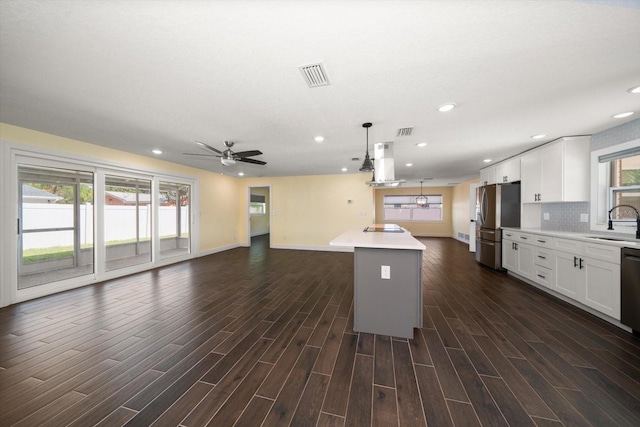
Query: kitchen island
x=387, y=279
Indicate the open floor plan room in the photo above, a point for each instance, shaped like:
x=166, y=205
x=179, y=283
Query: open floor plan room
x=258, y=336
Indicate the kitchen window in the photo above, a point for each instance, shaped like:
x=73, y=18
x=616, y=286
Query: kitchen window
x=616, y=181
x=405, y=208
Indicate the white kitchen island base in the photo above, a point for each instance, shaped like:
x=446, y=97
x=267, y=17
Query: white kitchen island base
x=387, y=282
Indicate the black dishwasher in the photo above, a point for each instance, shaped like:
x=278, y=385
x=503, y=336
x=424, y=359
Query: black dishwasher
x=630, y=289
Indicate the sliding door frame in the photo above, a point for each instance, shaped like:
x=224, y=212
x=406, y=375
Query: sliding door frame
x=14, y=153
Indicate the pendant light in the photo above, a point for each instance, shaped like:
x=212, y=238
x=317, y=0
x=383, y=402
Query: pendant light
x=421, y=200
x=367, y=165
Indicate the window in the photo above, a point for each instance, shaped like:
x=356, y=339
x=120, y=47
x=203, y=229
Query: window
x=616, y=181
x=405, y=208
x=257, y=205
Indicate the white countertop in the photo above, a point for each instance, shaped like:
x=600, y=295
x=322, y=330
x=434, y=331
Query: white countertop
x=360, y=239
x=628, y=242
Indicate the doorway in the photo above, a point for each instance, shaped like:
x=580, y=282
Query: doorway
x=259, y=216
x=473, y=214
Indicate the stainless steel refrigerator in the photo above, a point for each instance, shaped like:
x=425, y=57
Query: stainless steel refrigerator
x=498, y=205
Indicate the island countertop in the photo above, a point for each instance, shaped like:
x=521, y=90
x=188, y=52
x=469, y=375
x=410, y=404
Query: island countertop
x=388, y=240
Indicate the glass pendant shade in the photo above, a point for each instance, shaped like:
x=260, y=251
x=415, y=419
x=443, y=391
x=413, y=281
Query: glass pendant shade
x=421, y=200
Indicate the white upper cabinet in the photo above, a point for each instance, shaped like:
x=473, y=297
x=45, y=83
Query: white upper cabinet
x=508, y=170
x=557, y=172
x=488, y=175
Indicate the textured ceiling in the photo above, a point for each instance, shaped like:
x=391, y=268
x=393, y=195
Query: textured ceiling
x=136, y=76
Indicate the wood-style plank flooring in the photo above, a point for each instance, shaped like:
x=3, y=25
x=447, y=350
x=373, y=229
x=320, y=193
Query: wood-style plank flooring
x=258, y=336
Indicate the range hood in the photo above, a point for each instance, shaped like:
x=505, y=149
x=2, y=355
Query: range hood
x=384, y=171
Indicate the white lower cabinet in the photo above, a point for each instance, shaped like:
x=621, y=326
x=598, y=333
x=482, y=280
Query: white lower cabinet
x=592, y=282
x=585, y=272
x=509, y=255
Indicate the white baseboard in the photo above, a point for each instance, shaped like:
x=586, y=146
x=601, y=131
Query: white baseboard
x=220, y=249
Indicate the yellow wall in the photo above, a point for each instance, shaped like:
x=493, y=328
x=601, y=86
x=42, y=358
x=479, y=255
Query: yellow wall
x=310, y=211
x=443, y=228
x=460, y=211
x=218, y=193
x=260, y=223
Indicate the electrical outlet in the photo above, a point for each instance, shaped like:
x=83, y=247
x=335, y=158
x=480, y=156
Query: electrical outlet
x=584, y=217
x=363, y=213
x=385, y=272
x=546, y=216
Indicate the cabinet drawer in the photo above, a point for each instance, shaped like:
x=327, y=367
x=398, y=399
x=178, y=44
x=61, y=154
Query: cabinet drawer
x=571, y=246
x=543, y=276
x=543, y=258
x=543, y=241
x=526, y=238
x=510, y=235
x=602, y=252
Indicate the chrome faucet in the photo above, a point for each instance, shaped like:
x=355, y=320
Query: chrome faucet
x=610, y=227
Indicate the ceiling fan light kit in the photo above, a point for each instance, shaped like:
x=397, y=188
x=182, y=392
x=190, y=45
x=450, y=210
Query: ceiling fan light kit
x=229, y=157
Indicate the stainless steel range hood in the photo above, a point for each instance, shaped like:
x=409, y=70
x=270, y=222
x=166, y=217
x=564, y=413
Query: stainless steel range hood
x=384, y=170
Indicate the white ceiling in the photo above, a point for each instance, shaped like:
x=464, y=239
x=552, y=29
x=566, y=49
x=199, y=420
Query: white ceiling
x=139, y=75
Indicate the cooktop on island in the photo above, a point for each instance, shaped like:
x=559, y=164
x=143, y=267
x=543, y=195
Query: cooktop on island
x=384, y=228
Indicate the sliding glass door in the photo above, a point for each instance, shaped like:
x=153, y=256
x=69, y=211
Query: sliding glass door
x=127, y=221
x=174, y=213
x=55, y=224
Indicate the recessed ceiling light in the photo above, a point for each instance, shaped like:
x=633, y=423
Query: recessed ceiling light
x=319, y=138
x=486, y=160
x=421, y=144
x=344, y=169
x=240, y=173
x=409, y=165
x=446, y=107
x=622, y=115
x=635, y=89
x=156, y=151
x=539, y=136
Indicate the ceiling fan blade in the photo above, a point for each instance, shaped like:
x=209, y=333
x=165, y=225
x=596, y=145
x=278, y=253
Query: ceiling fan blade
x=200, y=155
x=208, y=147
x=249, y=153
x=252, y=161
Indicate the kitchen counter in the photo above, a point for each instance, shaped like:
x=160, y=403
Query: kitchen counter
x=625, y=242
x=389, y=240
x=387, y=280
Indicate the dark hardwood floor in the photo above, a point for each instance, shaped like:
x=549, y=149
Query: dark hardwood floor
x=258, y=336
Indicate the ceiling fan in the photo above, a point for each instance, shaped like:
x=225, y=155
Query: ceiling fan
x=228, y=157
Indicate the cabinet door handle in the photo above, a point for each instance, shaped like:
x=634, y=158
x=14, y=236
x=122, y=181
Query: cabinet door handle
x=575, y=262
x=542, y=257
x=541, y=276
x=541, y=241
x=516, y=246
x=523, y=237
x=539, y=197
x=581, y=266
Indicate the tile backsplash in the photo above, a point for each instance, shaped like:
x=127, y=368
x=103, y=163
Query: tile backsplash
x=564, y=217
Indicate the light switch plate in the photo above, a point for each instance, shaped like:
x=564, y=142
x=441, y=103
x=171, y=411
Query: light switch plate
x=545, y=216
x=584, y=217
x=385, y=272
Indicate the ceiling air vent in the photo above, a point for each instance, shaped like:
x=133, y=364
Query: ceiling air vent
x=315, y=75
x=405, y=131
x=355, y=159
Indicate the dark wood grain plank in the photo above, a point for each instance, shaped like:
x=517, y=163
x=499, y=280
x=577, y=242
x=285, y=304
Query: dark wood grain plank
x=383, y=362
x=338, y=390
x=410, y=410
x=385, y=407
x=435, y=407
x=310, y=404
x=359, y=406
